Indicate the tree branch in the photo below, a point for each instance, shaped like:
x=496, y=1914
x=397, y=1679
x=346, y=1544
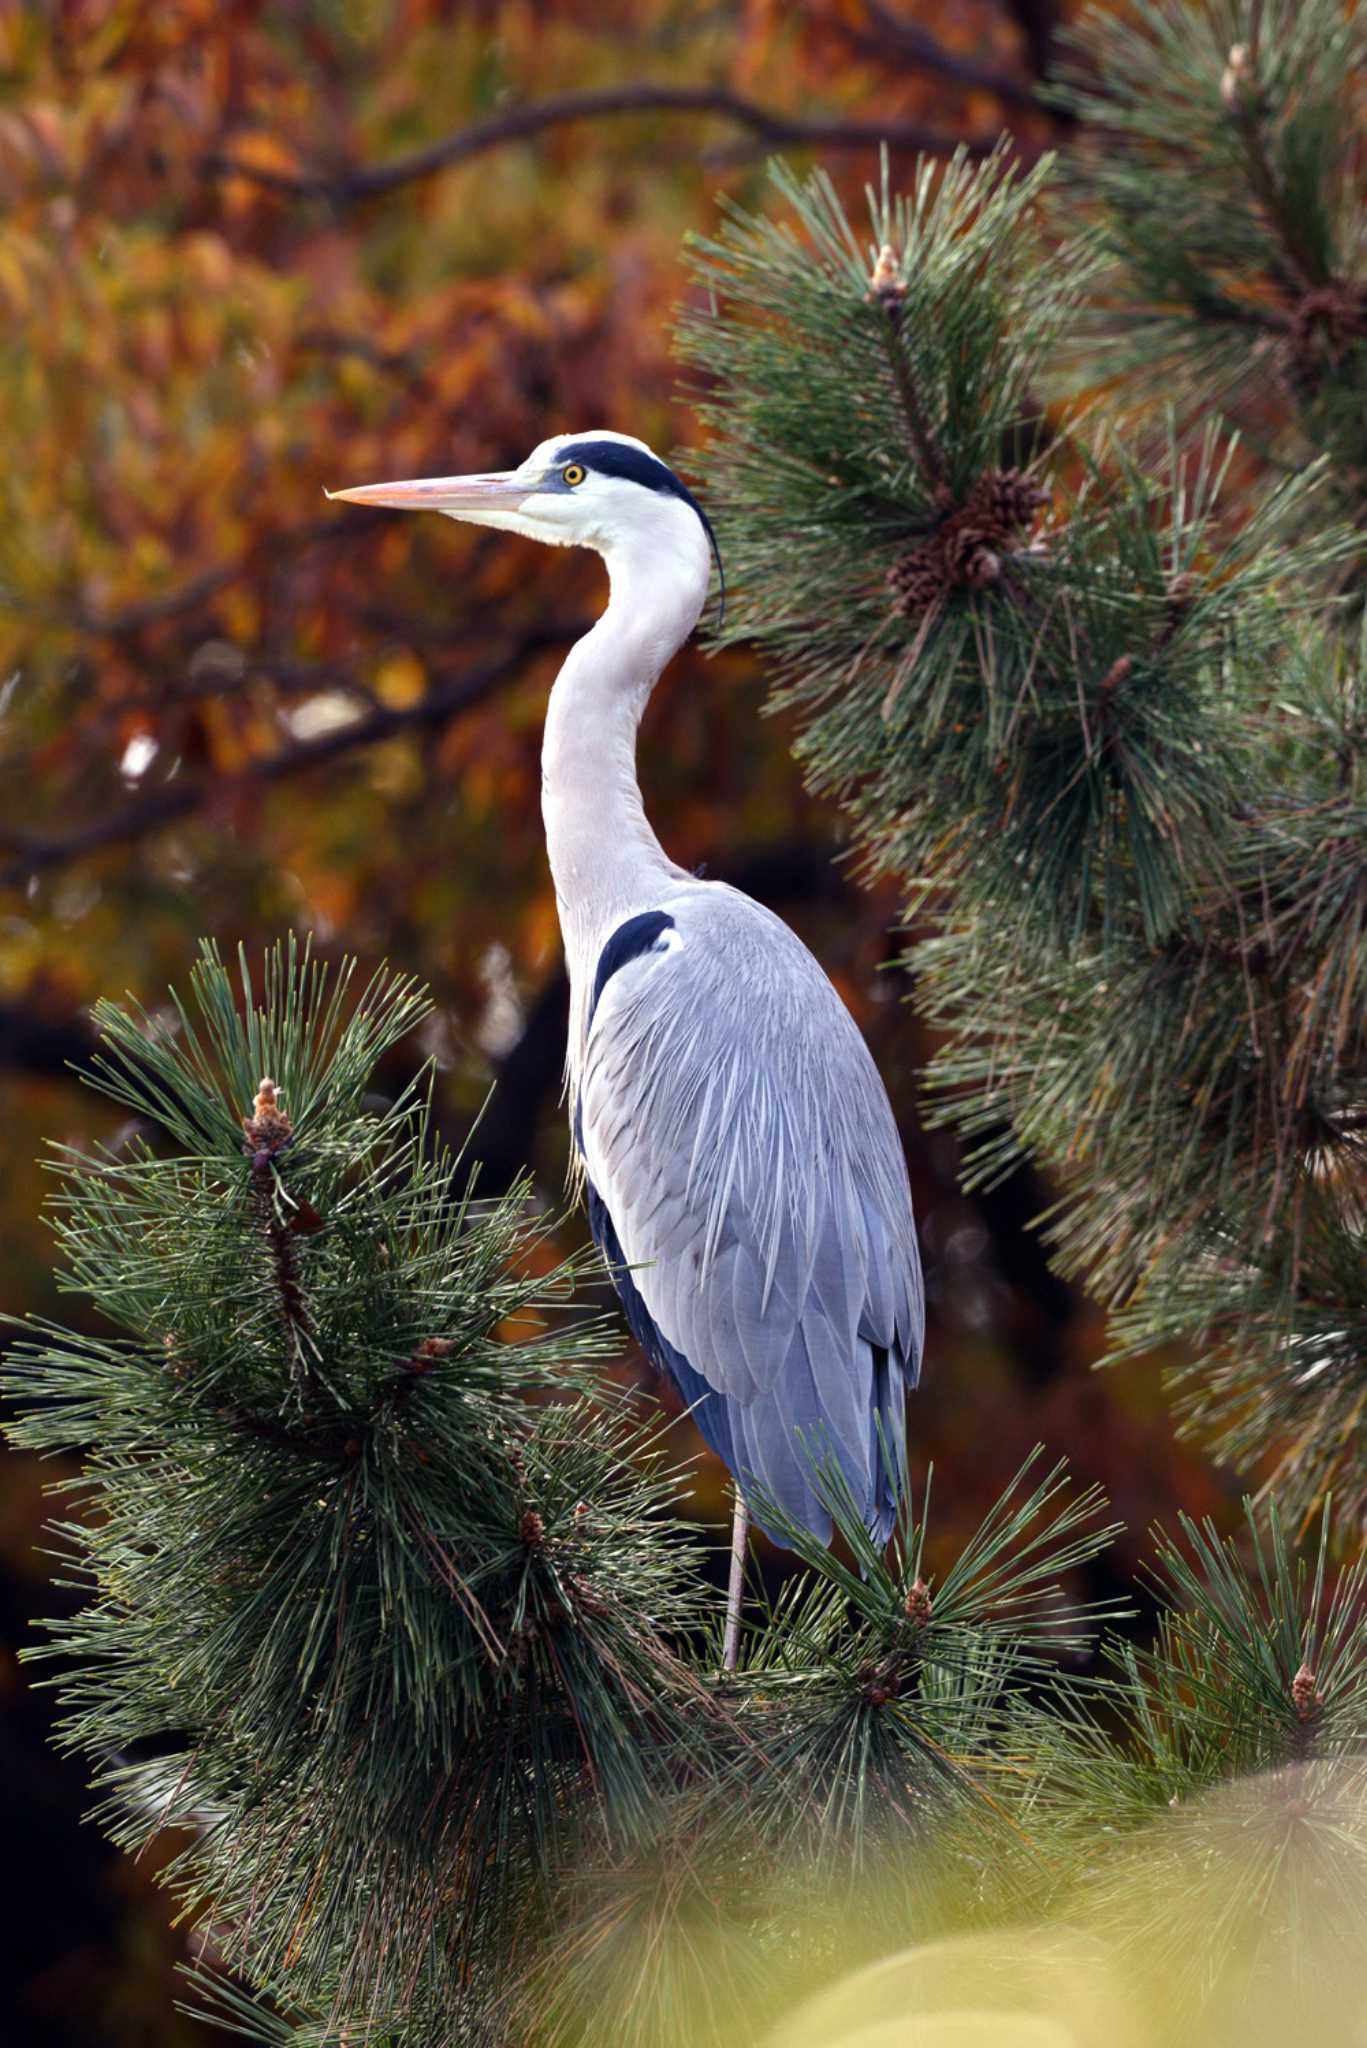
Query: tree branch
x=197, y=590
x=349, y=186
x=1037, y=21
x=906, y=43
x=160, y=808
x=32, y=1042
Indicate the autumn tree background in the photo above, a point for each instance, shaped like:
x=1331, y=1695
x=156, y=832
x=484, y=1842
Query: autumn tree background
x=249, y=251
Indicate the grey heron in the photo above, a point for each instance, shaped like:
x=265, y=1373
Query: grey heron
x=744, y=1176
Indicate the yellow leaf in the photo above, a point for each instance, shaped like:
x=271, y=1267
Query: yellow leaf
x=400, y=680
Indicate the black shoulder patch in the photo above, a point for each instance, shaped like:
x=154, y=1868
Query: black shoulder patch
x=638, y=935
x=638, y=466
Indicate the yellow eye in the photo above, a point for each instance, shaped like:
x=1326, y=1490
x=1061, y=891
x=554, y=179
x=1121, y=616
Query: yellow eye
x=574, y=473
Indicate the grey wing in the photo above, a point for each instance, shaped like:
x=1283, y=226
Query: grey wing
x=743, y=1160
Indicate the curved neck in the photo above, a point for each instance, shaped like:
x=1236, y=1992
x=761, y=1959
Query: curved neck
x=606, y=862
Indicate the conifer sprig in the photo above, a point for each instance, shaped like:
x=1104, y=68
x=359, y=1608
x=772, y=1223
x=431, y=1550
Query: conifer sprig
x=1112, y=759
x=1226, y=178
x=402, y=1632
x=893, y=1692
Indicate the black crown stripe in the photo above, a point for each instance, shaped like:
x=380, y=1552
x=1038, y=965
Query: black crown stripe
x=637, y=466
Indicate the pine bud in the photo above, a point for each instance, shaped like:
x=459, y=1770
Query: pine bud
x=1304, y=1697
x=428, y=1352
x=919, y=1605
x=532, y=1530
x=885, y=284
x=268, y=1130
x=1237, y=79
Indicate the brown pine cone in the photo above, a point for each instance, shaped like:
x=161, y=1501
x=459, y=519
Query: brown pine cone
x=1325, y=327
x=918, y=579
x=1016, y=498
x=971, y=555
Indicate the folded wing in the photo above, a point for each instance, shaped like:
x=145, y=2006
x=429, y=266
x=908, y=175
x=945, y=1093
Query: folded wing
x=743, y=1162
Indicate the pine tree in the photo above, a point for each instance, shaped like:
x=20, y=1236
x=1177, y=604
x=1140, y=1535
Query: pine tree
x=393, y=1611
x=372, y=1623
x=1086, y=669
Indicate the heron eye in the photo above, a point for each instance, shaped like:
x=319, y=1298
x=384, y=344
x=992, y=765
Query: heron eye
x=574, y=473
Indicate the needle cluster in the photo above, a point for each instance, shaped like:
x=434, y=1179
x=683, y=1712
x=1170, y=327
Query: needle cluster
x=1088, y=677
x=380, y=1626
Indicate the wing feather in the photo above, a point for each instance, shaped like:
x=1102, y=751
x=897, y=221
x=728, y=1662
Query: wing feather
x=737, y=1133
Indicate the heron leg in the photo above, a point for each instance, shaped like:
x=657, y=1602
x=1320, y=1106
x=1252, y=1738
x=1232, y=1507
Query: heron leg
x=740, y=1531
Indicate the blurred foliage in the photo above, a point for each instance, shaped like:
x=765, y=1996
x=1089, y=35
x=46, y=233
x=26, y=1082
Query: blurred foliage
x=225, y=708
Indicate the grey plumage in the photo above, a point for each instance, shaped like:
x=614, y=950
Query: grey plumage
x=735, y=1128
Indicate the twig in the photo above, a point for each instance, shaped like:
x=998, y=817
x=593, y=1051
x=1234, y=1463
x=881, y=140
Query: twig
x=927, y=447
x=908, y=44
x=157, y=611
x=349, y=187
x=164, y=807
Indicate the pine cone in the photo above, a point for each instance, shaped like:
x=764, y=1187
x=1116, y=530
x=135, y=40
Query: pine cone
x=967, y=550
x=918, y=579
x=1325, y=327
x=971, y=555
x=532, y=1529
x=1016, y=498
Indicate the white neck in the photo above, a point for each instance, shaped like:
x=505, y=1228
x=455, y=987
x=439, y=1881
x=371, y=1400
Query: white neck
x=606, y=862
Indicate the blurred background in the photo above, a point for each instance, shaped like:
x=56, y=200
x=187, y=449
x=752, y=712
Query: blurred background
x=249, y=250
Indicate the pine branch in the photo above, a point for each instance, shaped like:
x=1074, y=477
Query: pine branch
x=393, y=1616
x=1059, y=710
x=1229, y=198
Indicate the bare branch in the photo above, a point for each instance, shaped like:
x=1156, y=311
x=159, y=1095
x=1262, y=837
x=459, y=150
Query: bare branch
x=903, y=42
x=1037, y=21
x=348, y=186
x=196, y=590
x=163, y=807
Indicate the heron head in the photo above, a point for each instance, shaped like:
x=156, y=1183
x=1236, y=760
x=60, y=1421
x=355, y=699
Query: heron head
x=597, y=490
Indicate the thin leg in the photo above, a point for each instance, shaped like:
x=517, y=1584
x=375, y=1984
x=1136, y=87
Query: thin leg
x=740, y=1530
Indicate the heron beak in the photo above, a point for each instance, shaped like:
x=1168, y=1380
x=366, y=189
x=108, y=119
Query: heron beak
x=464, y=496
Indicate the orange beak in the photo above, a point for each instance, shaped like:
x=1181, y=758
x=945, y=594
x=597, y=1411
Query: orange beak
x=501, y=491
